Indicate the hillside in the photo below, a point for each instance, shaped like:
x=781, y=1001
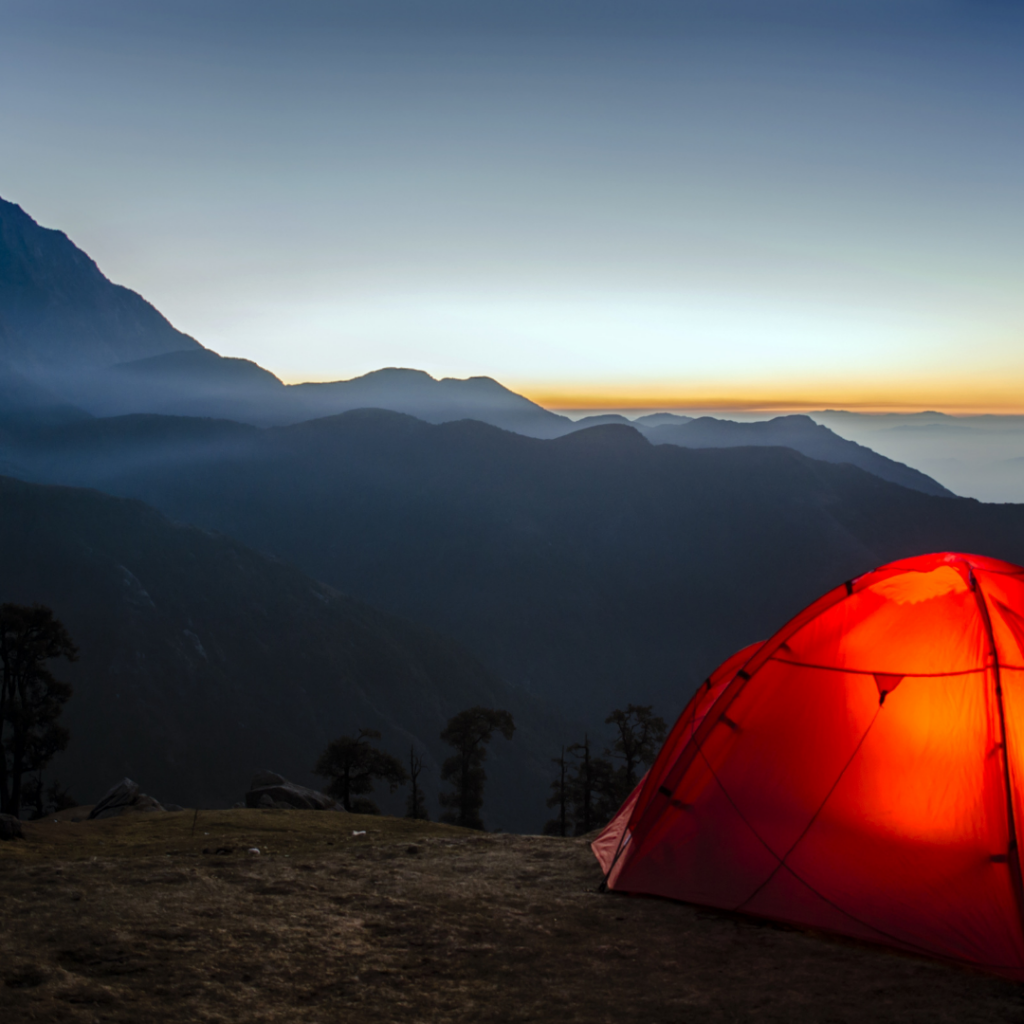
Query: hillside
x=203, y=662
x=72, y=344
x=57, y=310
x=71, y=337
x=139, y=919
x=801, y=434
x=593, y=570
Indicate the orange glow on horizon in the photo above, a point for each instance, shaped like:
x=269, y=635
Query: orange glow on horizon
x=960, y=398
x=965, y=401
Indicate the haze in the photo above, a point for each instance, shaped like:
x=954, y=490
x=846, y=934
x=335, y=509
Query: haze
x=768, y=205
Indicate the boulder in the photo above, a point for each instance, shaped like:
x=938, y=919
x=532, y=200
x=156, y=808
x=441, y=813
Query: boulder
x=269, y=789
x=10, y=827
x=115, y=800
x=145, y=804
x=263, y=779
x=125, y=796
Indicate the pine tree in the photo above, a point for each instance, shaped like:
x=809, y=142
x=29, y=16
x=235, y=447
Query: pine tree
x=640, y=735
x=31, y=698
x=469, y=732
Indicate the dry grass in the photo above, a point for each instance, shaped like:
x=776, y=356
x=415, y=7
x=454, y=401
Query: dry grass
x=130, y=920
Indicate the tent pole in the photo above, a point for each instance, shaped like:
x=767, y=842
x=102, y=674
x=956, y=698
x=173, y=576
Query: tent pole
x=1012, y=849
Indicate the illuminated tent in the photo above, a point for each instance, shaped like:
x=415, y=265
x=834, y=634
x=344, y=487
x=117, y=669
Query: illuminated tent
x=859, y=772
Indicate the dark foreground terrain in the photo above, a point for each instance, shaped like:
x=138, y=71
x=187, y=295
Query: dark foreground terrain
x=138, y=919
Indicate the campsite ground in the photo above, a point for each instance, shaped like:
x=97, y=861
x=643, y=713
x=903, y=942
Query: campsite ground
x=139, y=919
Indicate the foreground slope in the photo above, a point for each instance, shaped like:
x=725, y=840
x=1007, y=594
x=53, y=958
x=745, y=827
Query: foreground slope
x=202, y=661
x=131, y=921
x=594, y=569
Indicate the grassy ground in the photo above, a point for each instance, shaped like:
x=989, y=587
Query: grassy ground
x=140, y=919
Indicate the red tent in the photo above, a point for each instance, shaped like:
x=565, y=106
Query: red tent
x=859, y=772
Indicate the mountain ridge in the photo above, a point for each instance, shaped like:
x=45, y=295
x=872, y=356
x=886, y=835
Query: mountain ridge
x=202, y=661
x=57, y=306
x=591, y=569
x=90, y=347
x=799, y=432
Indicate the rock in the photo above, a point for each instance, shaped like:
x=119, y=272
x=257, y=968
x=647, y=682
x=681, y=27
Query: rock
x=263, y=779
x=272, y=790
x=173, y=807
x=10, y=827
x=145, y=804
x=115, y=800
x=124, y=797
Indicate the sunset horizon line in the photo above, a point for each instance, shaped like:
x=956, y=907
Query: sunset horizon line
x=597, y=399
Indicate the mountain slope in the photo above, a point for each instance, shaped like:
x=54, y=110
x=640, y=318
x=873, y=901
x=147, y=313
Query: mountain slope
x=801, y=434
x=57, y=310
x=202, y=661
x=78, y=342
x=593, y=569
x=68, y=332
x=437, y=401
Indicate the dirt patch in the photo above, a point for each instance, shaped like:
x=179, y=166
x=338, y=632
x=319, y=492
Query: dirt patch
x=129, y=920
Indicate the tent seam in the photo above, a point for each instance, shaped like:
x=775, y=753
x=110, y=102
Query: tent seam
x=870, y=672
x=814, y=817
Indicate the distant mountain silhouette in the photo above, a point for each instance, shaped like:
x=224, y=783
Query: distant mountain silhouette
x=83, y=341
x=436, y=401
x=602, y=420
x=202, y=661
x=593, y=569
x=659, y=419
x=57, y=310
x=72, y=341
x=977, y=456
x=800, y=433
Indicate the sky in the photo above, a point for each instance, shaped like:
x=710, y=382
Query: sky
x=639, y=204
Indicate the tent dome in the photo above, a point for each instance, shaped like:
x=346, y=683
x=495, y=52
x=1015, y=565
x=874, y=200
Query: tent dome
x=859, y=772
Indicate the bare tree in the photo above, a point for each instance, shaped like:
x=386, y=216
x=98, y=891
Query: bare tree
x=559, y=798
x=590, y=788
x=416, y=804
x=353, y=766
x=641, y=733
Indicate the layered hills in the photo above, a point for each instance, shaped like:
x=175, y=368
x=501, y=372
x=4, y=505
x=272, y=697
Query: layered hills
x=74, y=344
x=203, y=661
x=578, y=565
x=592, y=569
x=69, y=336
x=801, y=434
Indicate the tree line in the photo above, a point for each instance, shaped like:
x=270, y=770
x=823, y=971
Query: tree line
x=352, y=766
x=589, y=785
x=588, y=789
x=31, y=700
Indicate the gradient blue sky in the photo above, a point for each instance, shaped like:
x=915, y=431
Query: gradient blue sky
x=630, y=203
